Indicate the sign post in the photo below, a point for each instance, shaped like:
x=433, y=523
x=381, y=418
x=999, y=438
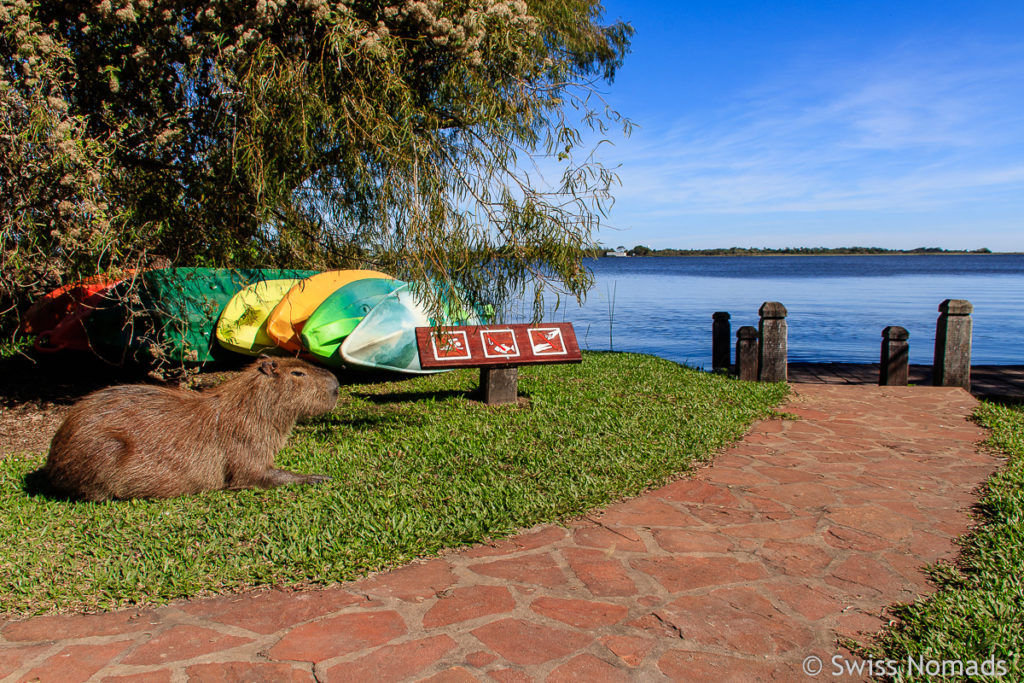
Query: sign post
x=498, y=350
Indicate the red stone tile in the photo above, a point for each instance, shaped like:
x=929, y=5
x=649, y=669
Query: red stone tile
x=804, y=495
x=13, y=658
x=865, y=575
x=525, y=643
x=76, y=663
x=393, y=662
x=161, y=676
x=587, y=667
x=796, y=559
x=693, y=541
x=339, y=635
x=540, y=570
x=510, y=676
x=704, y=667
x=467, y=603
x=456, y=674
x=580, y=613
x=630, y=649
x=621, y=539
x=786, y=475
x=530, y=540
x=855, y=623
x=813, y=602
x=68, y=627
x=272, y=611
x=412, y=583
x=873, y=519
x=602, y=577
x=679, y=574
x=851, y=539
x=248, y=672
x=646, y=512
x=698, y=492
x=480, y=659
x=722, y=517
x=183, y=642
x=740, y=619
x=798, y=527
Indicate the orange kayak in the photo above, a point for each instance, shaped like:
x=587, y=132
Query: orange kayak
x=290, y=315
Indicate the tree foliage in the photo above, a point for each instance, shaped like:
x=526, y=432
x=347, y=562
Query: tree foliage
x=402, y=134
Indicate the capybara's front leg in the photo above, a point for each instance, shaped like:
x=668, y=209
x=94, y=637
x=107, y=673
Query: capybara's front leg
x=273, y=477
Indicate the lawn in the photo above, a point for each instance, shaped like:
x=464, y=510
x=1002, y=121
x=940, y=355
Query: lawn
x=417, y=466
x=978, y=612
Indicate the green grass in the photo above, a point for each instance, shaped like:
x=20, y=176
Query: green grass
x=978, y=611
x=417, y=467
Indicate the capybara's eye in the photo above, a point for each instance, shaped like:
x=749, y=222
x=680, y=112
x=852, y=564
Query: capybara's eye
x=298, y=373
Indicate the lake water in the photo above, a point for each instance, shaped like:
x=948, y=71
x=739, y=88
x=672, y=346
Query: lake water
x=838, y=305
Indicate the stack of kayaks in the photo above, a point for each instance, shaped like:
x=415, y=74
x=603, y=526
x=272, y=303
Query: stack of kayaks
x=336, y=318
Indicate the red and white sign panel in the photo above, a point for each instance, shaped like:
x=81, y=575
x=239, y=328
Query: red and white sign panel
x=485, y=345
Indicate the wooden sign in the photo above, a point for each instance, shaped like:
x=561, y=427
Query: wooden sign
x=496, y=345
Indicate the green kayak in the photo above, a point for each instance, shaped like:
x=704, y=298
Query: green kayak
x=340, y=313
x=172, y=312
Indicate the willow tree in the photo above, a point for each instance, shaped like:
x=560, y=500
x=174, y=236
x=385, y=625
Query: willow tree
x=433, y=139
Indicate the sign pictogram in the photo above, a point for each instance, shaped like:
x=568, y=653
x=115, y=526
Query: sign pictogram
x=500, y=343
x=547, y=341
x=451, y=345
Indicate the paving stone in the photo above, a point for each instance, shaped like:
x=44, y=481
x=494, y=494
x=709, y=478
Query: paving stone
x=467, y=603
x=587, y=667
x=480, y=658
x=580, y=613
x=412, y=583
x=181, y=643
x=630, y=649
x=76, y=663
x=162, y=676
x=740, y=619
x=679, y=574
x=530, y=540
x=616, y=539
x=456, y=674
x=13, y=658
x=698, y=492
x=248, y=672
x=272, y=611
x=705, y=667
x=873, y=520
x=646, y=512
x=339, y=635
x=603, y=577
x=797, y=527
x=511, y=676
x=522, y=642
x=864, y=575
x=795, y=559
x=392, y=662
x=811, y=601
x=693, y=541
x=70, y=627
x=851, y=539
x=541, y=570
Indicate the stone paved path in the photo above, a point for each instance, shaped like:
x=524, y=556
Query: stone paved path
x=800, y=534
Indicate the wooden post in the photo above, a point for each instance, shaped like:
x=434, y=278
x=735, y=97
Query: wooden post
x=952, y=367
x=499, y=385
x=721, y=336
x=746, y=353
x=772, y=348
x=895, y=369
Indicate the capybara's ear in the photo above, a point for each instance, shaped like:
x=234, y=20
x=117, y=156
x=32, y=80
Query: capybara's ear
x=268, y=366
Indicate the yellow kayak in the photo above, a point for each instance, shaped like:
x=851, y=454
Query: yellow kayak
x=289, y=316
x=242, y=326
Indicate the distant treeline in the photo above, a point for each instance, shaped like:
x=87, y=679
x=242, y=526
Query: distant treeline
x=641, y=250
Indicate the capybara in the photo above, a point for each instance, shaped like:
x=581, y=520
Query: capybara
x=142, y=441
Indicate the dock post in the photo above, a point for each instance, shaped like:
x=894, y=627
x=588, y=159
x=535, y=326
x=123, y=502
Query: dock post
x=772, y=349
x=894, y=370
x=952, y=367
x=721, y=336
x=746, y=353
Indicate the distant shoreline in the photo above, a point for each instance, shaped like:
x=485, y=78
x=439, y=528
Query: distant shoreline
x=799, y=251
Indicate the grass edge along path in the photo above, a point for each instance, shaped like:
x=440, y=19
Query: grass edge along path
x=416, y=467
x=977, y=614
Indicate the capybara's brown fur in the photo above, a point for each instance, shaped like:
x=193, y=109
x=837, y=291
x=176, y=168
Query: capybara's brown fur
x=141, y=441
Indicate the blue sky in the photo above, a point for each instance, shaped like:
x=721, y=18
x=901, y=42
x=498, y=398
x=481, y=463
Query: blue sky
x=772, y=124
